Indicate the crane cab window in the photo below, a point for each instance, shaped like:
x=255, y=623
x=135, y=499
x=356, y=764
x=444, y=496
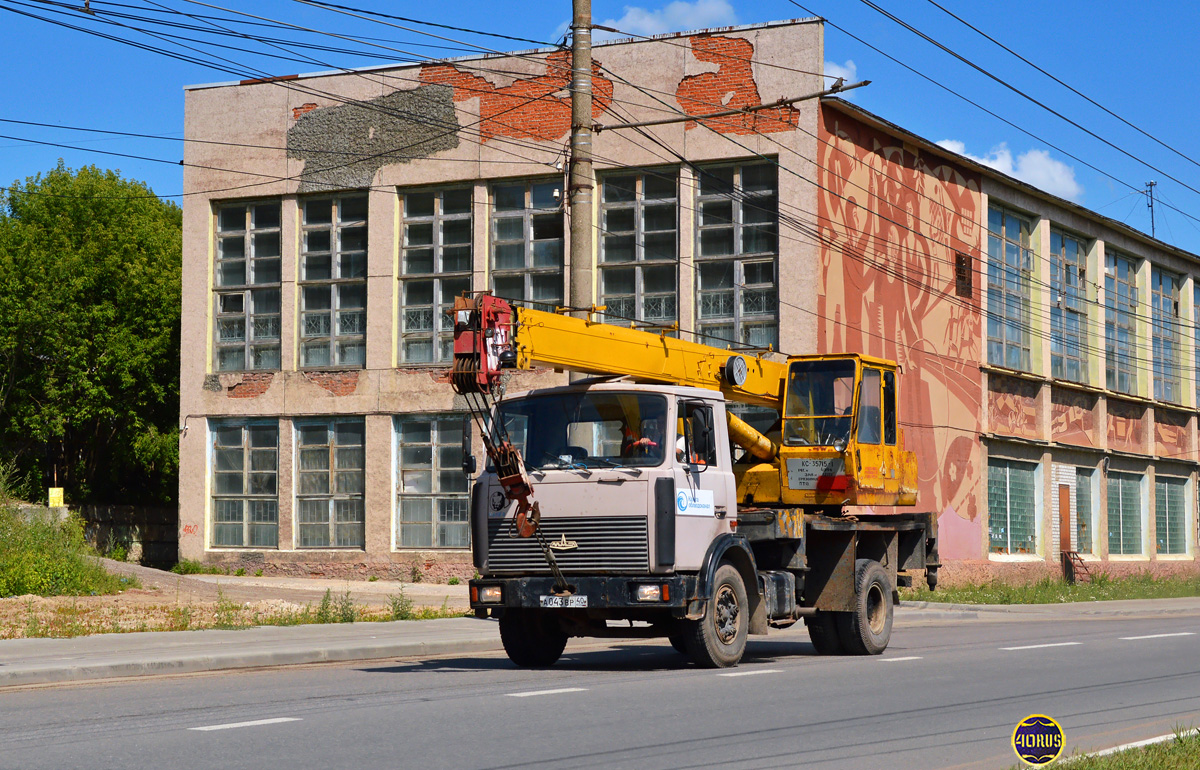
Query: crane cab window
x=693, y=419
x=870, y=413
x=820, y=401
x=889, y=408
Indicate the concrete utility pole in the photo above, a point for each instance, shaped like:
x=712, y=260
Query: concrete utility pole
x=581, y=182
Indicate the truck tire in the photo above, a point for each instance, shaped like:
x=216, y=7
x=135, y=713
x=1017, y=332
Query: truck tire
x=823, y=632
x=868, y=629
x=719, y=638
x=678, y=640
x=531, y=639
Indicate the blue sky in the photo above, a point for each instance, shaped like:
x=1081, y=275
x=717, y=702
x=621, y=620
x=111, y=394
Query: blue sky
x=1139, y=61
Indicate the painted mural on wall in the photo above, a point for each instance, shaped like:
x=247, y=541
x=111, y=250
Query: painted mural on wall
x=731, y=87
x=891, y=221
x=1171, y=435
x=1126, y=426
x=1073, y=418
x=1012, y=407
x=537, y=107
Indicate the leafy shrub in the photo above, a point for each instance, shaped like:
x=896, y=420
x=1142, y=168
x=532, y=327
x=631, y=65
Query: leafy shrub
x=41, y=555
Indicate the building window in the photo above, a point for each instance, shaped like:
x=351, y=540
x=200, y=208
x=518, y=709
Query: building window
x=432, y=495
x=527, y=242
x=247, y=287
x=1068, y=308
x=1170, y=515
x=639, y=248
x=1124, y=513
x=1010, y=269
x=1083, y=510
x=333, y=282
x=1120, y=318
x=330, y=482
x=737, y=299
x=1012, y=520
x=245, y=462
x=964, y=274
x=1196, y=335
x=437, y=264
x=1164, y=310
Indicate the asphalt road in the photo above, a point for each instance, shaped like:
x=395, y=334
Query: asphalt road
x=945, y=694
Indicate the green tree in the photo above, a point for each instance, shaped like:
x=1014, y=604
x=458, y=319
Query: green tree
x=89, y=335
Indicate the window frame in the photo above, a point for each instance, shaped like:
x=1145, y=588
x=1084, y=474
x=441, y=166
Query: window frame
x=529, y=271
x=1124, y=480
x=436, y=468
x=1010, y=333
x=332, y=495
x=1162, y=518
x=1007, y=549
x=440, y=334
x=640, y=263
x=247, y=448
x=1165, y=323
x=336, y=282
x=1068, y=309
x=250, y=291
x=741, y=200
x=1120, y=316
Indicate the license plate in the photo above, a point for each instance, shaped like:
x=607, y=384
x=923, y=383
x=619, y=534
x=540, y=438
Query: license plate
x=564, y=601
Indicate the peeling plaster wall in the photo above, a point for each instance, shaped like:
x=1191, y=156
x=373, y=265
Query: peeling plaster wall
x=390, y=129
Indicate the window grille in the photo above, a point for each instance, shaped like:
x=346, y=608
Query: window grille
x=247, y=280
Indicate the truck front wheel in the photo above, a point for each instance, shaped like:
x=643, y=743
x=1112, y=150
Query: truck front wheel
x=868, y=629
x=719, y=638
x=531, y=639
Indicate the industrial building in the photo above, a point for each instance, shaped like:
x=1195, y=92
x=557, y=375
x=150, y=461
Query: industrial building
x=1050, y=355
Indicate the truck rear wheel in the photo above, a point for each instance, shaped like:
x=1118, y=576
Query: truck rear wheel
x=868, y=629
x=719, y=638
x=823, y=632
x=531, y=639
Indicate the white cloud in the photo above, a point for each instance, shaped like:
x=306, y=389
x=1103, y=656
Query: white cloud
x=1034, y=167
x=849, y=71
x=676, y=16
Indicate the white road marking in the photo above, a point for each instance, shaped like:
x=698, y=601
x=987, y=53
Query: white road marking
x=907, y=657
x=254, y=723
x=1138, y=744
x=1157, y=636
x=753, y=672
x=545, y=692
x=1040, y=646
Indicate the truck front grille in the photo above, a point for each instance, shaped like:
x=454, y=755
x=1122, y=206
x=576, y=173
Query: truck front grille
x=604, y=544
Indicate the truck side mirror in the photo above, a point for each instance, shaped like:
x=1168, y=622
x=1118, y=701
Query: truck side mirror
x=469, y=466
x=702, y=435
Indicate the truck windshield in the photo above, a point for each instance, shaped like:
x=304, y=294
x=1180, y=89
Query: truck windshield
x=820, y=397
x=596, y=429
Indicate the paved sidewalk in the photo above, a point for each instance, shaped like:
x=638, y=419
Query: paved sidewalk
x=26, y=662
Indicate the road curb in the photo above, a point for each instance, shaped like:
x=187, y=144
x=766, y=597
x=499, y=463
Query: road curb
x=200, y=663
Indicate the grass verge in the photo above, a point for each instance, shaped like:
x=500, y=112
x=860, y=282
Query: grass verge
x=1048, y=591
x=1179, y=753
x=43, y=556
x=33, y=618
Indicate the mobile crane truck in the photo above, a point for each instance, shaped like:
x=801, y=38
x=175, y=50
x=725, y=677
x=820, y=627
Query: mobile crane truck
x=637, y=504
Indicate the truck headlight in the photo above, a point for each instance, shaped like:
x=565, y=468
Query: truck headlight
x=490, y=594
x=649, y=593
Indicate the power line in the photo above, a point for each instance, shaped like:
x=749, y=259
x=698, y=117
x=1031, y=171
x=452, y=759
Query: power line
x=980, y=107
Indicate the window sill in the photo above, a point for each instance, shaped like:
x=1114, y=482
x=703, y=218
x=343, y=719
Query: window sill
x=1174, y=557
x=240, y=548
x=1016, y=558
x=1131, y=557
x=431, y=548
